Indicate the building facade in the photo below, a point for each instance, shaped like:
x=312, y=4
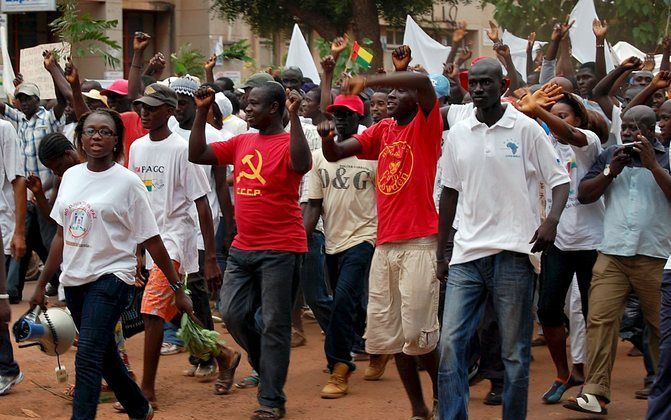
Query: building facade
x=174, y=23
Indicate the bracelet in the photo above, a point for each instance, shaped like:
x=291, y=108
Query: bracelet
x=4, y=296
x=175, y=287
x=440, y=260
x=136, y=66
x=599, y=45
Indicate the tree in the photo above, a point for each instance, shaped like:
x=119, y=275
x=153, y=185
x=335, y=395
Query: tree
x=329, y=18
x=85, y=34
x=641, y=23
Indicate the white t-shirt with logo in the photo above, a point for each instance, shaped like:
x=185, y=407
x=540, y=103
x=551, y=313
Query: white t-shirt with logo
x=211, y=135
x=347, y=188
x=173, y=184
x=104, y=216
x=497, y=171
x=581, y=225
x=12, y=167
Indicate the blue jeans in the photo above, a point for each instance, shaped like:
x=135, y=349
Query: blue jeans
x=256, y=301
x=659, y=401
x=170, y=334
x=313, y=283
x=509, y=278
x=96, y=308
x=348, y=272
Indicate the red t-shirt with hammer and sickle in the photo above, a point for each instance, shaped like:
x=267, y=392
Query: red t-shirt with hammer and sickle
x=267, y=213
x=406, y=171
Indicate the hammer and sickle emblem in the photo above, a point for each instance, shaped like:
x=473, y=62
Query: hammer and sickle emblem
x=255, y=169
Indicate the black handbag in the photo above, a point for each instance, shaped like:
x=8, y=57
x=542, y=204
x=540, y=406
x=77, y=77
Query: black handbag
x=132, y=321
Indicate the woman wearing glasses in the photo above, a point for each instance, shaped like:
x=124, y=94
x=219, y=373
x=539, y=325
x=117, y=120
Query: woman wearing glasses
x=103, y=213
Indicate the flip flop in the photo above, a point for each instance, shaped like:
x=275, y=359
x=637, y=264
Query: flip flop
x=586, y=403
x=224, y=383
x=268, y=413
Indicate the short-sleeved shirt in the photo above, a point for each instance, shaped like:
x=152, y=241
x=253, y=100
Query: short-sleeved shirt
x=406, y=172
x=637, y=220
x=497, y=171
x=267, y=213
x=11, y=168
x=104, y=216
x=347, y=191
x=31, y=132
x=581, y=225
x=173, y=184
x=132, y=130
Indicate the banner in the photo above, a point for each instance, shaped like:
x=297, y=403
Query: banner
x=425, y=50
x=7, y=70
x=32, y=67
x=27, y=5
x=299, y=55
x=583, y=40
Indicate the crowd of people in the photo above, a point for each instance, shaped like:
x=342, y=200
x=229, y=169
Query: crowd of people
x=431, y=219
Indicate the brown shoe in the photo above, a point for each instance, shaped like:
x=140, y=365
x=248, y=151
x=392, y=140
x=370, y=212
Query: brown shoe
x=297, y=338
x=336, y=387
x=375, y=370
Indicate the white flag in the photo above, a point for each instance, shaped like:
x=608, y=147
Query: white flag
x=518, y=51
x=583, y=40
x=425, y=50
x=299, y=56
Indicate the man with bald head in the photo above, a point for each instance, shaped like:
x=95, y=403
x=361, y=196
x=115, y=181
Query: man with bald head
x=634, y=180
x=292, y=78
x=494, y=162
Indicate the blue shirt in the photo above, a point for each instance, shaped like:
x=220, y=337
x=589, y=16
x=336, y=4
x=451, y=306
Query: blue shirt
x=638, y=214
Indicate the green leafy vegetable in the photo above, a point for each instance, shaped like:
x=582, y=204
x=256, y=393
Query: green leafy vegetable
x=198, y=341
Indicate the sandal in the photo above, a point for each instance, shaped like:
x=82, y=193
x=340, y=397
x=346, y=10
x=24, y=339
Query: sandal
x=251, y=381
x=558, y=388
x=268, y=413
x=119, y=408
x=586, y=403
x=224, y=382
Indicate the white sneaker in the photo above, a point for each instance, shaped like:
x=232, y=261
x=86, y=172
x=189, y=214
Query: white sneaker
x=7, y=382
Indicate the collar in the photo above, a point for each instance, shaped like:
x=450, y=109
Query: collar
x=507, y=120
x=658, y=146
x=40, y=112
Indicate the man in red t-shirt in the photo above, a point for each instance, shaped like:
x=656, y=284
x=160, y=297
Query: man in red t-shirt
x=264, y=259
x=403, y=291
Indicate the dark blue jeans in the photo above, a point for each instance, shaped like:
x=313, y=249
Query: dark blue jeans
x=348, y=272
x=96, y=308
x=313, y=284
x=8, y=366
x=256, y=301
x=509, y=278
x=659, y=401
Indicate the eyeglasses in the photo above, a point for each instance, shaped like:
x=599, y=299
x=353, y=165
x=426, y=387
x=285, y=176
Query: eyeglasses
x=104, y=132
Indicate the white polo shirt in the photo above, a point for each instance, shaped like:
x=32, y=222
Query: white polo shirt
x=497, y=171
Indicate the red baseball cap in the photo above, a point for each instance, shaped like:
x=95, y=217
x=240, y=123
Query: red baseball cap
x=120, y=87
x=350, y=102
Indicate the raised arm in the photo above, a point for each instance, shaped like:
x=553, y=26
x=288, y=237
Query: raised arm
x=457, y=37
x=666, y=51
x=399, y=80
x=299, y=150
x=333, y=151
x=63, y=91
x=503, y=54
x=328, y=66
x=564, y=65
x=531, y=39
x=401, y=58
x=78, y=102
x=209, y=68
x=156, y=66
x=600, y=30
x=199, y=151
x=601, y=92
x=662, y=80
x=140, y=43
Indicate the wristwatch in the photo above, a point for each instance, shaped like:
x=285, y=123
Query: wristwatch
x=4, y=296
x=608, y=174
x=175, y=287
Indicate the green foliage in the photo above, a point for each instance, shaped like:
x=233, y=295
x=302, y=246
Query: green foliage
x=188, y=60
x=238, y=51
x=641, y=23
x=198, y=341
x=85, y=34
x=324, y=48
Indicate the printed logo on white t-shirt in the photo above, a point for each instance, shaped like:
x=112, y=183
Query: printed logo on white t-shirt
x=513, y=148
x=80, y=217
x=149, y=175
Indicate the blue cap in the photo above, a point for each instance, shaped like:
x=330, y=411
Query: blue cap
x=441, y=85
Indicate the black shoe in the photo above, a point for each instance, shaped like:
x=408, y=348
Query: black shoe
x=495, y=395
x=13, y=300
x=642, y=394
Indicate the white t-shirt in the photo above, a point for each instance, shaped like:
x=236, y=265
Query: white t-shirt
x=615, y=126
x=497, y=171
x=173, y=184
x=104, y=216
x=212, y=135
x=581, y=225
x=668, y=264
x=12, y=167
x=235, y=125
x=68, y=131
x=347, y=188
